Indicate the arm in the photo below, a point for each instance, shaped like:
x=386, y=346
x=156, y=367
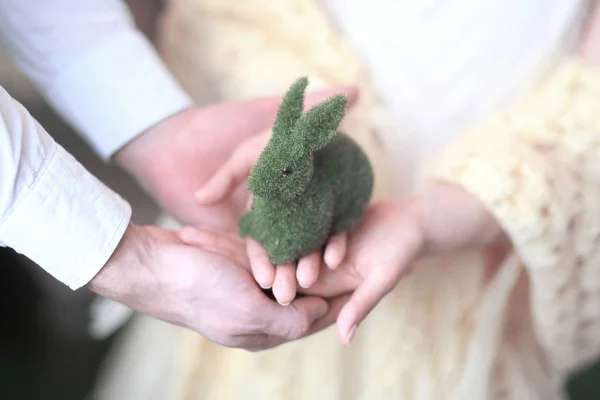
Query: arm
x=535, y=168
x=51, y=209
x=100, y=73
x=103, y=77
x=93, y=66
x=60, y=216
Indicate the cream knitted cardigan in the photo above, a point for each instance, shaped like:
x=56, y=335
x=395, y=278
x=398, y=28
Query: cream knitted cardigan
x=452, y=329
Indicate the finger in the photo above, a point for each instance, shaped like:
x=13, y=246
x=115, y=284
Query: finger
x=308, y=269
x=259, y=115
x=362, y=301
x=284, y=286
x=335, y=306
x=225, y=244
x=333, y=282
x=262, y=268
x=255, y=116
x=310, y=311
x=233, y=173
x=249, y=203
x=297, y=319
x=336, y=250
x=203, y=237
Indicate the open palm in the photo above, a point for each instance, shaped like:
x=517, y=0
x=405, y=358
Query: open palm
x=392, y=235
x=380, y=251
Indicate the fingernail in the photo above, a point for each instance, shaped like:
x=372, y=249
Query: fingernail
x=350, y=335
x=263, y=286
x=328, y=262
x=304, y=286
x=284, y=304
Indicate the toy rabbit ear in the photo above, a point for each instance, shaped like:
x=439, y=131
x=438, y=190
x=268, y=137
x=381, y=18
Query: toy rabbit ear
x=291, y=108
x=318, y=126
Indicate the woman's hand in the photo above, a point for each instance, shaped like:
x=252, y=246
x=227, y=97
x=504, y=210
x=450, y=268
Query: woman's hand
x=392, y=235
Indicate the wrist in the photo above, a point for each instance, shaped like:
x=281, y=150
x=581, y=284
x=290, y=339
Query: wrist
x=452, y=219
x=138, y=157
x=116, y=278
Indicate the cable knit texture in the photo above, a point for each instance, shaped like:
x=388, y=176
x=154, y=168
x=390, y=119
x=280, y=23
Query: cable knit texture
x=536, y=167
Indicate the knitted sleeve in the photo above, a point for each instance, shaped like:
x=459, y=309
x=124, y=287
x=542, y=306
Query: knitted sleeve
x=536, y=166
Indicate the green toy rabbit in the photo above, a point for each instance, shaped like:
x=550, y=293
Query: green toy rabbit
x=310, y=181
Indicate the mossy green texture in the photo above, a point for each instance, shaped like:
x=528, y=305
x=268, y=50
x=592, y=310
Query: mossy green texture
x=310, y=181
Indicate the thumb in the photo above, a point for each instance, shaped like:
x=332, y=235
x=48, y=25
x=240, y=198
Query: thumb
x=335, y=305
x=296, y=319
x=362, y=301
x=260, y=114
x=233, y=173
x=253, y=116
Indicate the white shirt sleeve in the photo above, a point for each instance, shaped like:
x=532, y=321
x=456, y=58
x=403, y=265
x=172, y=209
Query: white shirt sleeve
x=52, y=210
x=92, y=65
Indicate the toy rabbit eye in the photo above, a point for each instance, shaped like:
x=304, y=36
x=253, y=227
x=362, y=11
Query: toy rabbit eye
x=286, y=171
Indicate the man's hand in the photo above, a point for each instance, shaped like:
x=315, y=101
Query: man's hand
x=177, y=156
x=185, y=278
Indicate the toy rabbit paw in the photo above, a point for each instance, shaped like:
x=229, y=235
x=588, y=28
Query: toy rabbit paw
x=309, y=183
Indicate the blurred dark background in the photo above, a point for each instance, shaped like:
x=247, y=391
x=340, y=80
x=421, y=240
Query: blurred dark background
x=46, y=352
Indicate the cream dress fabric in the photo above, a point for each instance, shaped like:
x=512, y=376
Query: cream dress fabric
x=432, y=76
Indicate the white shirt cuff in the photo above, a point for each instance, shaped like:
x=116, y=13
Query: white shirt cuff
x=68, y=222
x=116, y=90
